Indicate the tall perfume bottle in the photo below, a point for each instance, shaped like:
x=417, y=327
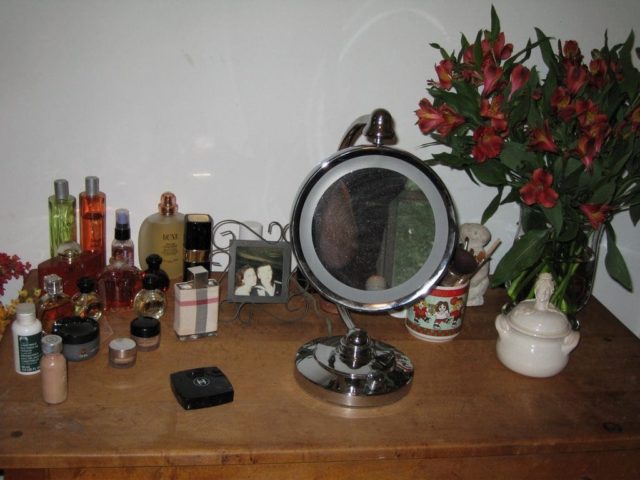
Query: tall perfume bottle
x=122, y=245
x=54, y=304
x=87, y=303
x=62, y=216
x=163, y=233
x=153, y=268
x=93, y=208
x=118, y=284
x=150, y=301
x=197, y=242
x=70, y=264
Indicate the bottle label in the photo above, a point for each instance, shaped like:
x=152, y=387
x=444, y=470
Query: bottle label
x=29, y=352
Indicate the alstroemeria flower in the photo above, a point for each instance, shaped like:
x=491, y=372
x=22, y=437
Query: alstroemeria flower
x=577, y=76
x=499, y=49
x=487, y=144
x=561, y=102
x=428, y=117
x=445, y=70
x=541, y=140
x=450, y=120
x=589, y=114
x=491, y=75
x=571, y=52
x=634, y=118
x=539, y=190
x=587, y=149
x=598, y=73
x=596, y=213
x=493, y=110
x=519, y=77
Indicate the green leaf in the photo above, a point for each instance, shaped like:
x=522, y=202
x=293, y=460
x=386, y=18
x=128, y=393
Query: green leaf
x=634, y=213
x=548, y=56
x=443, y=52
x=554, y=216
x=449, y=160
x=614, y=261
x=514, y=155
x=490, y=172
x=492, y=207
x=604, y=193
x=526, y=251
x=495, y=23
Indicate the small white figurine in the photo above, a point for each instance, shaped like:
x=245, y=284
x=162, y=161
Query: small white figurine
x=476, y=237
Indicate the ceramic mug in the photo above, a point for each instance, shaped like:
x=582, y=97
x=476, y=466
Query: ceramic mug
x=438, y=316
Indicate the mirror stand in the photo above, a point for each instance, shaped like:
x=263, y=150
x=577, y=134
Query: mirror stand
x=353, y=369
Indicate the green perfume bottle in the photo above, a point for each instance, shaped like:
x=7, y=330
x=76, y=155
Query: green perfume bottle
x=62, y=216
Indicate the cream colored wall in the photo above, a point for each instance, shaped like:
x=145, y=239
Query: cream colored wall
x=229, y=104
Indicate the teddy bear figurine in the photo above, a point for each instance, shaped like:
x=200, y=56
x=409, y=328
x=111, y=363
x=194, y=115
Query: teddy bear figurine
x=476, y=236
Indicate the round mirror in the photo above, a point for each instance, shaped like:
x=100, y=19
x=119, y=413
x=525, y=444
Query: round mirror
x=373, y=228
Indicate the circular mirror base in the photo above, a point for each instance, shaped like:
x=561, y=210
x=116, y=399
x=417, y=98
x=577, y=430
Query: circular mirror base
x=353, y=370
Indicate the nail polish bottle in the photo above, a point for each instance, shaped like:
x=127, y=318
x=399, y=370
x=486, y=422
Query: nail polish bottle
x=163, y=233
x=54, y=304
x=154, y=261
x=93, y=233
x=197, y=242
x=122, y=245
x=62, y=216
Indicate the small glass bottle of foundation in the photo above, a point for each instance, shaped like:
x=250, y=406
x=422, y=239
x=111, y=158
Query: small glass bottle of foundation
x=87, y=303
x=146, y=333
x=122, y=353
x=150, y=301
x=53, y=367
x=153, y=267
x=54, y=304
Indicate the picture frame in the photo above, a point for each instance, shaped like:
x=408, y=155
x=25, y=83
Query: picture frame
x=259, y=271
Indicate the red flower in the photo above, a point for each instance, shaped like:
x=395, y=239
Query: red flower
x=445, y=70
x=493, y=110
x=519, y=77
x=572, y=52
x=596, y=213
x=577, y=76
x=487, y=144
x=428, y=117
x=598, y=73
x=491, y=77
x=562, y=104
x=634, y=118
x=499, y=49
x=450, y=120
x=589, y=114
x=541, y=139
x=539, y=190
x=587, y=149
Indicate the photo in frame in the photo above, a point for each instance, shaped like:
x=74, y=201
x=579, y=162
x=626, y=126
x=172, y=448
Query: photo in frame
x=259, y=271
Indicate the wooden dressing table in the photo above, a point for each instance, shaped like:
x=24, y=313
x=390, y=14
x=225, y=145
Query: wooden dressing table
x=466, y=416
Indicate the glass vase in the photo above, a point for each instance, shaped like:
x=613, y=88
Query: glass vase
x=572, y=264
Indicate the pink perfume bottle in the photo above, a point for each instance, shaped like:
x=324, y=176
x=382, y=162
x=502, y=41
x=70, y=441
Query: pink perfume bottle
x=122, y=245
x=118, y=284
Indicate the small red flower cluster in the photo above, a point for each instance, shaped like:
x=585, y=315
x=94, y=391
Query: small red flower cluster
x=11, y=267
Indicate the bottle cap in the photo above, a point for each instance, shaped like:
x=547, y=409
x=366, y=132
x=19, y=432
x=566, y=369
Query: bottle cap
x=197, y=231
x=122, y=232
x=167, y=205
x=154, y=261
x=150, y=281
x=52, y=284
x=51, y=344
x=69, y=250
x=61, y=189
x=86, y=284
x=92, y=185
x=25, y=313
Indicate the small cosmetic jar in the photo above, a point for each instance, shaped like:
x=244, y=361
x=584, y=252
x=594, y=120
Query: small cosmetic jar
x=146, y=332
x=122, y=353
x=80, y=337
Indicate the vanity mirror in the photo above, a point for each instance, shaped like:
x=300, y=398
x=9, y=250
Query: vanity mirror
x=372, y=229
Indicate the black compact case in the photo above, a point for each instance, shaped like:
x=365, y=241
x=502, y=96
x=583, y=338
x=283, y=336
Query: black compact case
x=201, y=388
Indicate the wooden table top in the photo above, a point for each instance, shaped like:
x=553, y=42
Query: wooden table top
x=463, y=402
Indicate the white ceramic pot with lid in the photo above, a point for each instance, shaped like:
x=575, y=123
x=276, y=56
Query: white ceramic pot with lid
x=535, y=338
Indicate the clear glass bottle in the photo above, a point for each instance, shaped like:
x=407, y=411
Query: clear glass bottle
x=163, y=233
x=54, y=304
x=70, y=264
x=53, y=367
x=150, y=301
x=153, y=268
x=27, y=331
x=87, y=303
x=122, y=245
x=118, y=284
x=93, y=209
x=62, y=216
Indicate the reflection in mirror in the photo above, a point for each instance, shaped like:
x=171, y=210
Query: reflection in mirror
x=373, y=228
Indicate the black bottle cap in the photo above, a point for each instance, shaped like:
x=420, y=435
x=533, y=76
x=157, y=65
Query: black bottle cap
x=86, y=285
x=154, y=261
x=197, y=231
x=145, y=327
x=150, y=281
x=122, y=231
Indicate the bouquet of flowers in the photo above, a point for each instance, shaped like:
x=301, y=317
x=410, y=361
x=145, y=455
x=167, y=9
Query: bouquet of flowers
x=12, y=267
x=565, y=148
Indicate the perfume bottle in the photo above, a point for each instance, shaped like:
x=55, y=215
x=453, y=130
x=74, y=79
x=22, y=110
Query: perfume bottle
x=118, y=284
x=93, y=204
x=70, y=264
x=87, y=303
x=197, y=242
x=62, y=216
x=163, y=233
x=122, y=245
x=54, y=304
x=153, y=268
x=150, y=301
